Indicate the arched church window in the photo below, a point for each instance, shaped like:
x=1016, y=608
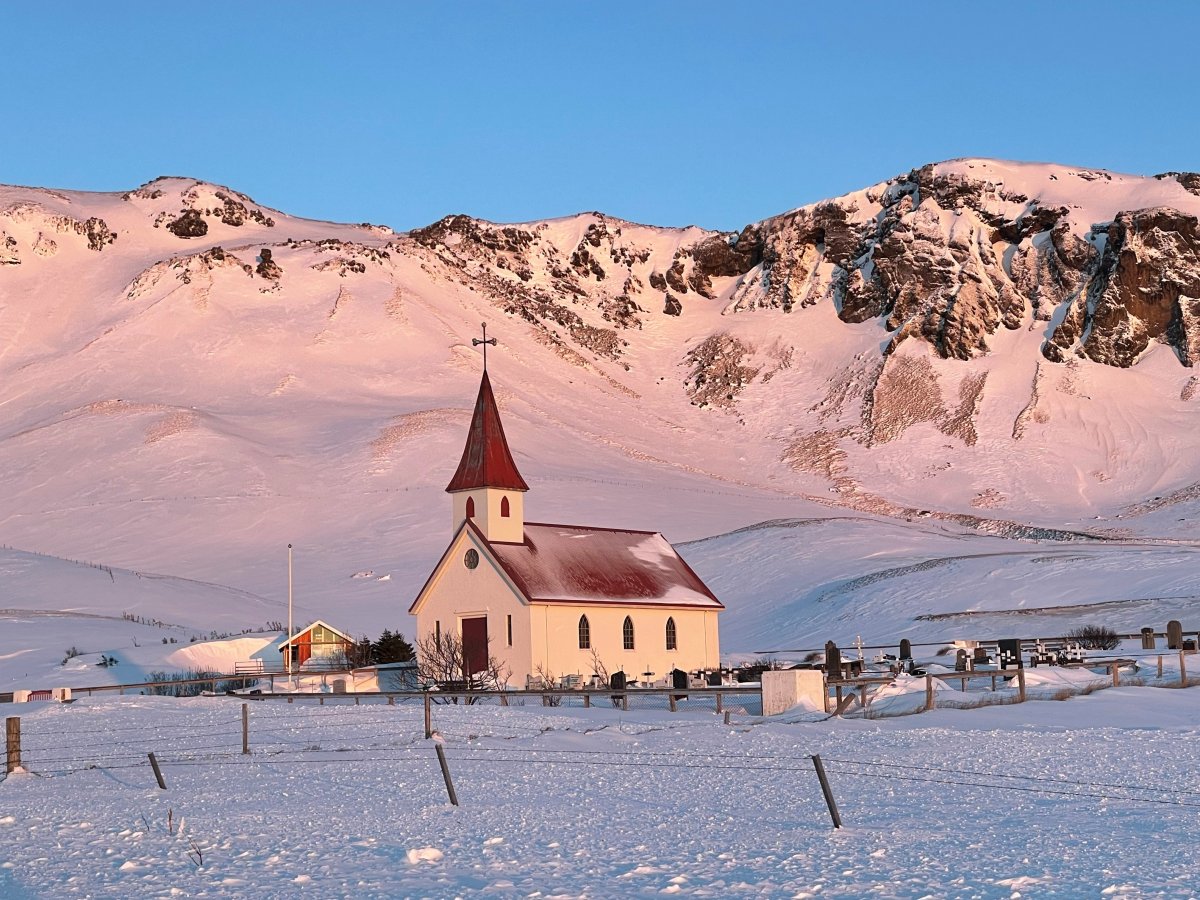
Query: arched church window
x=504, y=510
x=627, y=633
x=585, y=633
x=470, y=507
x=672, y=635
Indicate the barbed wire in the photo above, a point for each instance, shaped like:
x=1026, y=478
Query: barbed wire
x=729, y=762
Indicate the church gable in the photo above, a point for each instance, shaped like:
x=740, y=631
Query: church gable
x=467, y=539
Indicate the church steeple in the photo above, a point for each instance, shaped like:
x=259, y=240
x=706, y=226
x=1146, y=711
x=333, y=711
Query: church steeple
x=486, y=460
x=486, y=487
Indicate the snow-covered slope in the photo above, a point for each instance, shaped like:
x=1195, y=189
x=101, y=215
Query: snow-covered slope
x=189, y=381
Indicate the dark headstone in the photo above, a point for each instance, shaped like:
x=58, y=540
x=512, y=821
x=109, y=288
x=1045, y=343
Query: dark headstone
x=960, y=660
x=1010, y=653
x=905, y=648
x=1148, y=639
x=1174, y=635
x=833, y=660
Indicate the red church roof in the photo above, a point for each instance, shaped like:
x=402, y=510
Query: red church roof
x=575, y=564
x=486, y=460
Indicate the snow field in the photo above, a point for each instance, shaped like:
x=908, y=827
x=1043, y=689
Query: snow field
x=1088, y=797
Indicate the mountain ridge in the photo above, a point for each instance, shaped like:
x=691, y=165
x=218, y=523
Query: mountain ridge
x=191, y=399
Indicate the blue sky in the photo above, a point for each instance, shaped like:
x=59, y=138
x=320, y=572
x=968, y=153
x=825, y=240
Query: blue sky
x=714, y=114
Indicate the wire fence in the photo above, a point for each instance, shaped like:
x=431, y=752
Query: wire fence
x=350, y=737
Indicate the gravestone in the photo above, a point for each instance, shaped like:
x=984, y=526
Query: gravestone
x=1148, y=639
x=1010, y=653
x=1174, y=635
x=833, y=660
x=905, y=648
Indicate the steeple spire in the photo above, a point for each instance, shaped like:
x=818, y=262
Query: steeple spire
x=486, y=460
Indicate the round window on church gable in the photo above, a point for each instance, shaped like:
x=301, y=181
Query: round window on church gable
x=471, y=560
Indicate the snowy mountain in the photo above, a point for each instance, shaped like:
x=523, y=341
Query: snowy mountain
x=990, y=351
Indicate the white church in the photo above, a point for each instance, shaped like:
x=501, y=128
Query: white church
x=569, y=601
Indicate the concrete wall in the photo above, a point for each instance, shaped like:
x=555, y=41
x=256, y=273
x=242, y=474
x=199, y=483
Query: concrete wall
x=790, y=688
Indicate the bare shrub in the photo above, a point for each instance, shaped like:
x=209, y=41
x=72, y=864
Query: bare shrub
x=442, y=664
x=193, y=689
x=548, y=681
x=1094, y=637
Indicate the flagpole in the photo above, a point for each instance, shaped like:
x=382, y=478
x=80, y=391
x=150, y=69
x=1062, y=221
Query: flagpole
x=290, y=649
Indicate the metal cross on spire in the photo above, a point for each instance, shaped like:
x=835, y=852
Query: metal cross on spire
x=475, y=342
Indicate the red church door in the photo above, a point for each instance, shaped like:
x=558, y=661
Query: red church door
x=475, y=645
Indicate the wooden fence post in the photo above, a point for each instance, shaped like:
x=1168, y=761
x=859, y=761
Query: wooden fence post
x=1160, y=665
x=719, y=708
x=428, y=718
x=12, y=742
x=1116, y=674
x=929, y=702
x=625, y=703
x=245, y=728
x=587, y=700
x=1182, y=670
x=671, y=698
x=158, y=776
x=1021, y=683
x=825, y=789
x=726, y=717
x=441, y=755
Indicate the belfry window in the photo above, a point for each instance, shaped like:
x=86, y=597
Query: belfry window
x=470, y=507
x=504, y=510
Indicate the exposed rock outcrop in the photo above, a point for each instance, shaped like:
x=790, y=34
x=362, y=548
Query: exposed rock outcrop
x=1147, y=288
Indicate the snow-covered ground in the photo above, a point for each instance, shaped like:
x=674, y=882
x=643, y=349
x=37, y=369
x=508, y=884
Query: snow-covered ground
x=1087, y=797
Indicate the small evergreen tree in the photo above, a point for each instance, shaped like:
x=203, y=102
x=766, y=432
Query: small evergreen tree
x=391, y=647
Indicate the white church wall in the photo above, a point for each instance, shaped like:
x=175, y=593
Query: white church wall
x=457, y=592
x=488, y=513
x=556, y=640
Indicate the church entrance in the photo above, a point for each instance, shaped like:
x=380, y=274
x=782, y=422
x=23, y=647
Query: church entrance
x=475, y=645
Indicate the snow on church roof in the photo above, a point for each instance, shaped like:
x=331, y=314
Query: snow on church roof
x=576, y=564
x=486, y=460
